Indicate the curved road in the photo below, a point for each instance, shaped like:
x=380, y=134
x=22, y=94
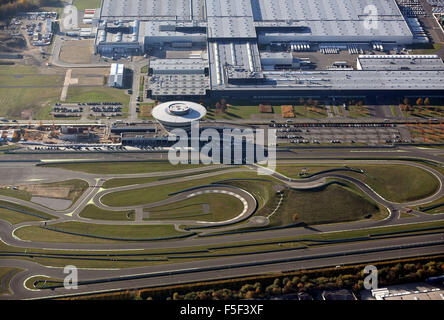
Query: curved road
x=95, y=193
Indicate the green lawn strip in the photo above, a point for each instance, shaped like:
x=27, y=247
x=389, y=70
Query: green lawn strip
x=308, y=113
x=222, y=207
x=16, y=100
x=6, y=273
x=122, y=182
x=435, y=207
x=33, y=80
x=87, y=4
x=398, y=183
x=17, y=69
x=395, y=111
x=153, y=194
x=95, y=213
x=359, y=112
x=122, y=167
x=296, y=171
x=86, y=232
x=228, y=248
x=77, y=188
x=233, y=112
x=97, y=94
x=262, y=191
x=41, y=282
x=15, y=213
x=19, y=194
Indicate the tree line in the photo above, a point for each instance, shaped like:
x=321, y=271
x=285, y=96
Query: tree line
x=11, y=7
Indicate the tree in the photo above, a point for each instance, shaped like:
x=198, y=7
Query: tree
x=406, y=101
x=419, y=102
x=427, y=101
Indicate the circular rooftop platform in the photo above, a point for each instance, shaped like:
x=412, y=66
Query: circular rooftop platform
x=178, y=114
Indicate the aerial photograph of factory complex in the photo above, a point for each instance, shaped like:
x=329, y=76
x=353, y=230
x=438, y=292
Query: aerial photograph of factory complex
x=243, y=150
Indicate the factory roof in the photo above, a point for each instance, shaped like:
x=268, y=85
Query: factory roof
x=239, y=18
x=400, y=62
x=175, y=65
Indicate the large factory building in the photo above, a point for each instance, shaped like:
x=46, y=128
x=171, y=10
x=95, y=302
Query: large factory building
x=248, y=46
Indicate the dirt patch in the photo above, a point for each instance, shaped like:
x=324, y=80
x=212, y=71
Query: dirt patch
x=90, y=72
x=9, y=43
x=80, y=51
x=91, y=81
x=47, y=192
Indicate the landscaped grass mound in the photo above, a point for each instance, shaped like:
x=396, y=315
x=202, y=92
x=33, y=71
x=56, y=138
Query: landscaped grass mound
x=394, y=182
x=330, y=204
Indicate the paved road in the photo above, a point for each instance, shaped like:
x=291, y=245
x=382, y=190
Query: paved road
x=20, y=172
x=198, y=270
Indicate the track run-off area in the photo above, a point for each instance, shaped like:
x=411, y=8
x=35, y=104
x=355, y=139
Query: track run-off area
x=199, y=246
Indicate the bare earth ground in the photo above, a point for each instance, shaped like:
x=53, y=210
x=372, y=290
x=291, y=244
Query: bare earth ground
x=79, y=51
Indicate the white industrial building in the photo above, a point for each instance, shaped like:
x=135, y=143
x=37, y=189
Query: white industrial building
x=116, y=75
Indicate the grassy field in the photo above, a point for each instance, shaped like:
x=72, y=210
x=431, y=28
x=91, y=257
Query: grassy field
x=19, y=194
x=34, y=233
x=233, y=113
x=359, y=112
x=14, y=217
x=87, y=4
x=153, y=194
x=221, y=208
x=76, y=188
x=97, y=94
x=331, y=204
x=399, y=183
x=121, y=182
x=436, y=47
x=6, y=274
x=294, y=170
x=310, y=112
x=122, y=167
x=31, y=80
x=95, y=213
x=30, y=283
x=240, y=247
x=425, y=112
x=15, y=100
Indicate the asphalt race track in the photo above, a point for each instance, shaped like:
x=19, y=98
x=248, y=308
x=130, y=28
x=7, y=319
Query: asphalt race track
x=21, y=168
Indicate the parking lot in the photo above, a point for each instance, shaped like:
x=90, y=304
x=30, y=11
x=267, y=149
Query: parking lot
x=365, y=134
